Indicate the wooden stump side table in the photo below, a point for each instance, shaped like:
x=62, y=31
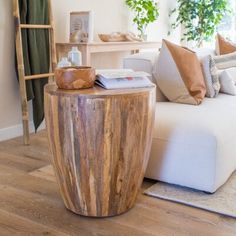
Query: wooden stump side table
x=100, y=142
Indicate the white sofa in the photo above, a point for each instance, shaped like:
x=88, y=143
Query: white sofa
x=193, y=146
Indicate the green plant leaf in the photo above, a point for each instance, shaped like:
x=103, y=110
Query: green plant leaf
x=200, y=18
x=145, y=12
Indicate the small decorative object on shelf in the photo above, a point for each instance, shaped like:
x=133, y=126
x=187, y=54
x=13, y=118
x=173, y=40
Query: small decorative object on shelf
x=75, y=57
x=75, y=77
x=113, y=37
x=120, y=37
x=78, y=37
x=81, y=27
x=63, y=63
x=133, y=37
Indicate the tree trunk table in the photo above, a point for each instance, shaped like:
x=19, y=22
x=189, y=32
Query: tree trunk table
x=100, y=142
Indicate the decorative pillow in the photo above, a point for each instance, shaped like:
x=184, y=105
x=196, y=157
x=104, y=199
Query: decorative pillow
x=224, y=46
x=179, y=74
x=225, y=61
x=227, y=84
x=211, y=76
x=232, y=72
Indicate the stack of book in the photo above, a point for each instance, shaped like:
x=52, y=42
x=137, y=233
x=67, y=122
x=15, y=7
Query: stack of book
x=121, y=79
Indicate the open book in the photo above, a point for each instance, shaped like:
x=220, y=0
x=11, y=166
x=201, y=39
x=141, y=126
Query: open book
x=123, y=78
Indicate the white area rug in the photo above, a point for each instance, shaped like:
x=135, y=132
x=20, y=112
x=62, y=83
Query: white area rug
x=223, y=201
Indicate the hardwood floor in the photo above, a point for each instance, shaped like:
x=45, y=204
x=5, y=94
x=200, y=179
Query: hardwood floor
x=31, y=205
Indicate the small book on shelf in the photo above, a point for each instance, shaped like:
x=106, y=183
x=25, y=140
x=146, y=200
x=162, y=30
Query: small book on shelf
x=121, y=79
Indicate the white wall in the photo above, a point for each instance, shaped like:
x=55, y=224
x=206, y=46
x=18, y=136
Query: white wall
x=9, y=93
x=159, y=29
x=109, y=16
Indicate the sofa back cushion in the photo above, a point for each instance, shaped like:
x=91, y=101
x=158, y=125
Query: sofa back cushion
x=225, y=61
x=203, y=52
x=179, y=74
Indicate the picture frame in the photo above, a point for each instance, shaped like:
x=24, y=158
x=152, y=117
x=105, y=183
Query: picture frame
x=81, y=27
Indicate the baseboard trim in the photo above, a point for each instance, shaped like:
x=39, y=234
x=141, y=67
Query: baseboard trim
x=17, y=130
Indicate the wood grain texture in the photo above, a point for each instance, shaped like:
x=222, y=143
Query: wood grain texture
x=75, y=77
x=21, y=72
x=100, y=143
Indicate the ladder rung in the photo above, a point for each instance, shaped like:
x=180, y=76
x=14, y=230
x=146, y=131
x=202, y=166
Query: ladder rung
x=30, y=26
x=39, y=76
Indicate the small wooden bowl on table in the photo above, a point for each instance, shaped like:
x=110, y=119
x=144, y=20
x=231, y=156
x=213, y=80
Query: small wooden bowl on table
x=75, y=77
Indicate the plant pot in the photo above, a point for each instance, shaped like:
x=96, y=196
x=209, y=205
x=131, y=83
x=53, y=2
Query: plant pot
x=144, y=37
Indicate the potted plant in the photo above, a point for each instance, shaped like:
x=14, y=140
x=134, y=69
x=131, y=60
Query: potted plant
x=200, y=18
x=145, y=12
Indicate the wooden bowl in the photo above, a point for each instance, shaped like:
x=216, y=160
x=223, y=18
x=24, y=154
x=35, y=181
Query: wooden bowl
x=74, y=77
x=112, y=37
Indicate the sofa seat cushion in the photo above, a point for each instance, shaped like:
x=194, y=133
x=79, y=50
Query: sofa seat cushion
x=194, y=146
x=216, y=116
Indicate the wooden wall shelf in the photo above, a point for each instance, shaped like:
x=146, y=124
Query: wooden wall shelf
x=99, y=47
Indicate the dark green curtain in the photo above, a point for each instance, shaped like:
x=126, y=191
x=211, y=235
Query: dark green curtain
x=36, y=52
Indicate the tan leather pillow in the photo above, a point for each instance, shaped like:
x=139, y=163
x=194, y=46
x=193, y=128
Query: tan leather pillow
x=224, y=46
x=179, y=74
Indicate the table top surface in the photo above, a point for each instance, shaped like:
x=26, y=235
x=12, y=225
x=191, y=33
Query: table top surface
x=96, y=91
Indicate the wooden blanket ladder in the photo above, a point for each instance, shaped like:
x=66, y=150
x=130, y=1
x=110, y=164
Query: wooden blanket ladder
x=20, y=61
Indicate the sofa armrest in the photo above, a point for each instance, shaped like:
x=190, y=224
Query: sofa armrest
x=144, y=61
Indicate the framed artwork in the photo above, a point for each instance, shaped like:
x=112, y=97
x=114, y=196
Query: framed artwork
x=81, y=27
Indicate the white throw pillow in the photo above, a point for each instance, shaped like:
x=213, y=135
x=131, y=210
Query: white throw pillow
x=227, y=84
x=211, y=76
x=225, y=61
x=232, y=73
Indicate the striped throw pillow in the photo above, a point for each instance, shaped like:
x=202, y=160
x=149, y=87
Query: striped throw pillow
x=225, y=61
x=211, y=76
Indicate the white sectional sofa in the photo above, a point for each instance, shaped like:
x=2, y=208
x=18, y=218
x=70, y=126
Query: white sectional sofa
x=193, y=146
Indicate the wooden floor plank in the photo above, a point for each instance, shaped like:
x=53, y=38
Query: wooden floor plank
x=11, y=224
x=20, y=162
x=45, y=172
x=38, y=150
x=31, y=184
x=53, y=214
x=30, y=204
x=167, y=220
